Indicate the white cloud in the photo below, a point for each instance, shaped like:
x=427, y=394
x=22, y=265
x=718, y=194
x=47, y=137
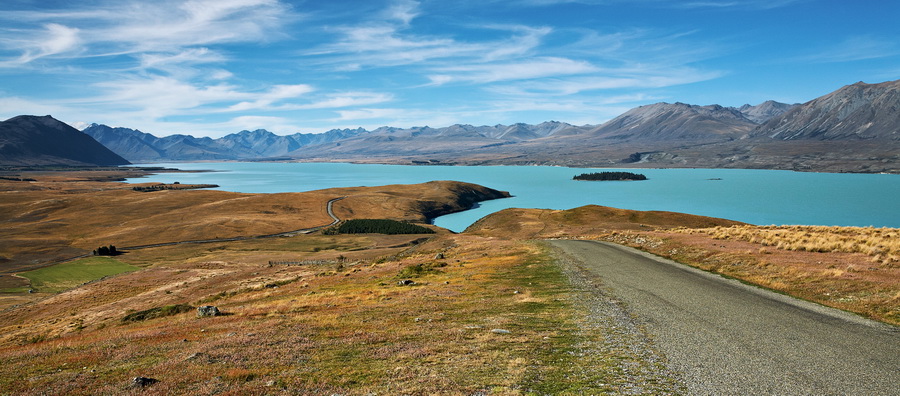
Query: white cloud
x=190, y=56
x=386, y=45
x=404, y=11
x=745, y=4
x=275, y=94
x=138, y=27
x=611, y=79
x=348, y=99
x=55, y=39
x=526, y=69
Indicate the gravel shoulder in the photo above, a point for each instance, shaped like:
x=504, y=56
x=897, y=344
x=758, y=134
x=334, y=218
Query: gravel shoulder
x=719, y=336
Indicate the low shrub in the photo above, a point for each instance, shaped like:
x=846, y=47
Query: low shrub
x=158, y=312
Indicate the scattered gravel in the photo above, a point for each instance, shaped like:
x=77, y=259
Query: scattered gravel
x=639, y=367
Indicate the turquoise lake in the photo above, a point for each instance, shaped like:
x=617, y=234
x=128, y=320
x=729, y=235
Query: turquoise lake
x=754, y=196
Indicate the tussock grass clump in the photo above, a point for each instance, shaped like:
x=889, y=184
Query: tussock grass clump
x=157, y=312
x=417, y=270
x=881, y=244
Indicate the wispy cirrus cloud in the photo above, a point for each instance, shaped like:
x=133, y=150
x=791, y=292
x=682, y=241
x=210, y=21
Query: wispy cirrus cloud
x=346, y=99
x=531, y=68
x=136, y=27
x=52, y=39
x=743, y=4
x=854, y=48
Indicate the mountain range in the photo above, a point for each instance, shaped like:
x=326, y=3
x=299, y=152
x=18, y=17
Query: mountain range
x=855, y=128
x=681, y=122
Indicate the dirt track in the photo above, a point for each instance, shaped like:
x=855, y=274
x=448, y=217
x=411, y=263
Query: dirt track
x=724, y=337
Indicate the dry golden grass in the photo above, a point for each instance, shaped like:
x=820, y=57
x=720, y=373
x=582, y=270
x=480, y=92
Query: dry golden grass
x=347, y=326
x=323, y=329
x=882, y=245
x=342, y=326
x=850, y=268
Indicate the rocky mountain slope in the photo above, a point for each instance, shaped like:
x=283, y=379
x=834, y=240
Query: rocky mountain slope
x=764, y=111
x=855, y=112
x=261, y=144
x=36, y=141
x=676, y=121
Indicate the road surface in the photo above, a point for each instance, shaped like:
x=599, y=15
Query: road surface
x=724, y=337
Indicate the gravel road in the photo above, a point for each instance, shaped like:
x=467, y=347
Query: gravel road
x=723, y=337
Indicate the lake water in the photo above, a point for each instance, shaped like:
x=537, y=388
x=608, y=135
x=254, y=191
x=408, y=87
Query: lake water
x=753, y=196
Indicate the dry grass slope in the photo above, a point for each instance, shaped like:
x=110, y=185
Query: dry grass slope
x=851, y=268
x=881, y=244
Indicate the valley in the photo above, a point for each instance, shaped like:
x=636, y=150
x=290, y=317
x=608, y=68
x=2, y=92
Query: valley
x=488, y=309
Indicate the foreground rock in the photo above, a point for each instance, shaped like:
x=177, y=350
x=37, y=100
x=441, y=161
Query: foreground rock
x=207, y=311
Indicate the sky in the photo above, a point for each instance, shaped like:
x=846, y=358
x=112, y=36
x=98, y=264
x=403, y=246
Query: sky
x=215, y=67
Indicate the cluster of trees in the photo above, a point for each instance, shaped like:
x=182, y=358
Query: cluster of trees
x=604, y=176
x=377, y=226
x=173, y=186
x=16, y=178
x=106, y=251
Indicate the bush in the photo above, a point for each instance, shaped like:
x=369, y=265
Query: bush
x=157, y=312
x=417, y=270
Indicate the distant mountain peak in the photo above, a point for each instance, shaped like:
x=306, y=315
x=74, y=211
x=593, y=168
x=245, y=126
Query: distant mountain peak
x=764, y=111
x=675, y=121
x=858, y=111
x=43, y=140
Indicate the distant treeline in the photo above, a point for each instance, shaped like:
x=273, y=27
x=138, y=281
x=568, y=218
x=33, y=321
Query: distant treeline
x=16, y=178
x=175, y=186
x=376, y=226
x=604, y=176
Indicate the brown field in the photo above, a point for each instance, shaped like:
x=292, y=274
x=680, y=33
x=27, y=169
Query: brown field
x=335, y=320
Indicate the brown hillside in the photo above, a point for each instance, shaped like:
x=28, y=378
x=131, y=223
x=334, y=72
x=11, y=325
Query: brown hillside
x=583, y=221
x=47, y=220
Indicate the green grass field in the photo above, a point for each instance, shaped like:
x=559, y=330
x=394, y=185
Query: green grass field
x=68, y=275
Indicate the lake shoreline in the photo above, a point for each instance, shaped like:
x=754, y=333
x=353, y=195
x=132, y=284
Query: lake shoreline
x=748, y=195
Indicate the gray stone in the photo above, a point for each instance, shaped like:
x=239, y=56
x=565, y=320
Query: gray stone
x=439, y=256
x=208, y=310
x=140, y=382
x=500, y=331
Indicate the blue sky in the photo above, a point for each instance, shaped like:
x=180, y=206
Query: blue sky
x=214, y=67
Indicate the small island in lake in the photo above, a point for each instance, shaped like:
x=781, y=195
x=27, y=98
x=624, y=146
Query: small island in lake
x=606, y=176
